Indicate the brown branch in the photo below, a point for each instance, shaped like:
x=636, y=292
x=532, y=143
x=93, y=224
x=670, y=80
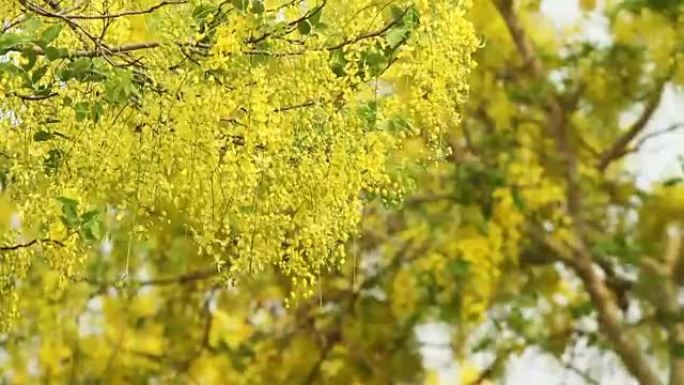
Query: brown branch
x=297, y=106
x=180, y=280
x=578, y=258
x=13, y=23
x=206, y=332
x=44, y=12
x=585, y=376
x=119, y=49
x=610, y=317
x=101, y=49
x=675, y=329
x=183, y=279
x=530, y=60
x=316, y=368
x=667, y=304
x=292, y=24
x=619, y=148
x=109, y=16
x=645, y=138
x=353, y=40
x=334, y=336
x=31, y=243
x=369, y=35
x=490, y=370
x=36, y=97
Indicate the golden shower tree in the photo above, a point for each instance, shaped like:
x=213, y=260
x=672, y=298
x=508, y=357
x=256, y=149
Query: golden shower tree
x=259, y=128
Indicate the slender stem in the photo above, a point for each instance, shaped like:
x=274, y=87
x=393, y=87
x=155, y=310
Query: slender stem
x=108, y=16
x=619, y=147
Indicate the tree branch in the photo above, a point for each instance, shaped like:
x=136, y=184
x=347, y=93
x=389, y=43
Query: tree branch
x=585, y=376
x=577, y=257
x=292, y=24
x=530, y=60
x=645, y=138
x=108, y=16
x=609, y=314
x=183, y=279
x=619, y=147
x=557, y=114
x=668, y=307
x=491, y=369
x=119, y=49
x=31, y=243
x=369, y=35
x=35, y=97
x=101, y=49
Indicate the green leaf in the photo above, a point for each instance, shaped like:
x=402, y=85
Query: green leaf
x=304, y=27
x=52, y=161
x=240, y=4
x=258, y=7
x=673, y=181
x=54, y=53
x=396, y=36
x=91, y=225
x=10, y=68
x=406, y=18
x=38, y=73
x=10, y=40
x=51, y=33
x=518, y=199
x=96, y=230
x=398, y=125
x=678, y=350
x=42, y=136
x=582, y=309
x=84, y=70
x=42, y=91
x=396, y=12
x=67, y=201
x=338, y=62
x=71, y=70
x=458, y=268
x=81, y=109
x=368, y=112
x=120, y=87
x=96, y=111
x=69, y=211
x=484, y=344
x=30, y=54
x=89, y=216
x=373, y=57
x=203, y=10
x=31, y=25
x=315, y=18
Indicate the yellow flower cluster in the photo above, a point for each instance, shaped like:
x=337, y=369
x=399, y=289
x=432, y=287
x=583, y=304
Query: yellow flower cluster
x=245, y=125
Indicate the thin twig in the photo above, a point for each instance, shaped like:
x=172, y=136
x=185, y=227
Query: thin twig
x=109, y=16
x=619, y=147
x=31, y=243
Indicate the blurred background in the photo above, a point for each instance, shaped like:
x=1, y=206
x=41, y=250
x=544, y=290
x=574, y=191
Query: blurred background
x=657, y=160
